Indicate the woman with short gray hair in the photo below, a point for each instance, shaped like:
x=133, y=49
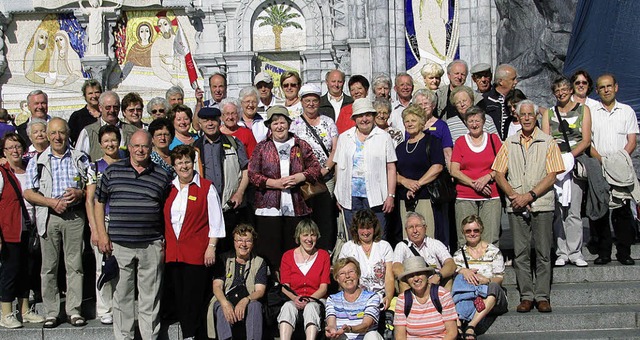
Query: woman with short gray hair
x=37, y=132
x=249, y=99
x=158, y=107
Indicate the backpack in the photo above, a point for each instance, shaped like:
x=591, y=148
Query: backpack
x=433, y=293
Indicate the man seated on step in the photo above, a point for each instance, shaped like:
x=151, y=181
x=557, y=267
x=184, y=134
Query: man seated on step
x=434, y=252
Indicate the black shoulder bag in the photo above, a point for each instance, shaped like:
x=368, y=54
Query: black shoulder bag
x=442, y=189
x=564, y=126
x=239, y=292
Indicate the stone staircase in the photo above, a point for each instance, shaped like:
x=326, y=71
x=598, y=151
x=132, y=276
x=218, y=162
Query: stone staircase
x=596, y=302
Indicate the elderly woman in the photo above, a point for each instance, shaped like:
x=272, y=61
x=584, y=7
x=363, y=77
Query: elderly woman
x=158, y=107
x=471, y=162
x=109, y=137
x=193, y=224
x=432, y=75
x=280, y=164
x=231, y=113
x=365, y=166
x=432, y=125
x=249, y=100
x=417, y=315
x=374, y=254
x=182, y=117
x=383, y=109
x=462, y=100
x=570, y=125
x=511, y=100
x=162, y=133
x=240, y=282
x=305, y=271
x=415, y=171
x=479, y=263
x=173, y=96
x=15, y=222
x=358, y=88
x=132, y=110
x=321, y=134
x=381, y=85
x=37, y=132
x=353, y=312
x=290, y=83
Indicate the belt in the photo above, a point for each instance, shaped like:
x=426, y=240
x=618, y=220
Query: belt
x=69, y=210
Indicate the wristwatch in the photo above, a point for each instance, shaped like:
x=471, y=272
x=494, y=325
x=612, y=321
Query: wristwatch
x=392, y=195
x=533, y=194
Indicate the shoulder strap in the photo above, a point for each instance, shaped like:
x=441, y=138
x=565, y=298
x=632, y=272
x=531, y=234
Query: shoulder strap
x=435, y=298
x=464, y=256
x=428, y=141
x=408, y=302
x=493, y=146
x=315, y=135
x=412, y=248
x=25, y=213
x=231, y=141
x=563, y=125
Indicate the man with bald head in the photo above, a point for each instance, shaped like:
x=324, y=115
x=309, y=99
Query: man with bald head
x=135, y=189
x=504, y=80
x=109, y=105
x=55, y=185
x=38, y=104
x=332, y=101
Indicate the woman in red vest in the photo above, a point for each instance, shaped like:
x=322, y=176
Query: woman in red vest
x=15, y=222
x=193, y=225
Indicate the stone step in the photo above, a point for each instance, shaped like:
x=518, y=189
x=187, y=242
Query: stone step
x=94, y=330
x=635, y=253
x=613, y=271
x=586, y=294
x=607, y=334
x=569, y=319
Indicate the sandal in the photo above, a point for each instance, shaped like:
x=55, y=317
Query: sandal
x=50, y=322
x=77, y=321
x=470, y=336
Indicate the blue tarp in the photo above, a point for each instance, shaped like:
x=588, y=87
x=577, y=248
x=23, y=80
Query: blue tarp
x=606, y=38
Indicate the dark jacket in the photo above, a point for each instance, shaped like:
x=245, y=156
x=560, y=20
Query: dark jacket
x=327, y=109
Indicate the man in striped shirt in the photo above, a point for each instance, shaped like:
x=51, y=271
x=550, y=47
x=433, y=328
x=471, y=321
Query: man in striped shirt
x=135, y=189
x=526, y=167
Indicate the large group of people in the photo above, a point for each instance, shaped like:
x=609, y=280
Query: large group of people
x=211, y=217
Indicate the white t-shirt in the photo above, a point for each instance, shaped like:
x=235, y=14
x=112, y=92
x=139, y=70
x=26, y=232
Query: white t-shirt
x=433, y=251
x=373, y=267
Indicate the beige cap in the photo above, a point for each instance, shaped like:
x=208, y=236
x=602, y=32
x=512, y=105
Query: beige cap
x=362, y=106
x=264, y=77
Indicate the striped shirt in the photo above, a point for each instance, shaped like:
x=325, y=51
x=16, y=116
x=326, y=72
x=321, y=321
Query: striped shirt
x=424, y=321
x=554, y=161
x=135, y=201
x=457, y=128
x=352, y=313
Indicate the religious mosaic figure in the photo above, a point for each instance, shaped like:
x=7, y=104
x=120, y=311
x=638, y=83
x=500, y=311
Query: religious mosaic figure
x=140, y=53
x=65, y=66
x=96, y=24
x=165, y=64
x=38, y=57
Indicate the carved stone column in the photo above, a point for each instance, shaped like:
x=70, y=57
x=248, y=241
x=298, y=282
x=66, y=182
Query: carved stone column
x=4, y=21
x=239, y=71
x=100, y=67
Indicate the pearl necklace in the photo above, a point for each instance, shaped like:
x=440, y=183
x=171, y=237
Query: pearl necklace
x=406, y=146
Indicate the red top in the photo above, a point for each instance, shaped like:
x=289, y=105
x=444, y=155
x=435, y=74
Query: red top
x=246, y=137
x=194, y=235
x=475, y=165
x=345, y=122
x=11, y=216
x=305, y=285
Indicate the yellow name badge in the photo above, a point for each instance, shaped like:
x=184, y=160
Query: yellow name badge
x=432, y=128
x=192, y=198
x=360, y=315
x=226, y=146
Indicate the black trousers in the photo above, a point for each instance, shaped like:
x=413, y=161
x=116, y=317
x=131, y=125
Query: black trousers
x=190, y=294
x=275, y=236
x=14, y=273
x=623, y=224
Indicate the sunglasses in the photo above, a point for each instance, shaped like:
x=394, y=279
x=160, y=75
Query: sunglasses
x=472, y=231
x=288, y=85
x=154, y=111
x=581, y=82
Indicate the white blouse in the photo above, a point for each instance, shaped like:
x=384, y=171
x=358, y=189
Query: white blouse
x=214, y=210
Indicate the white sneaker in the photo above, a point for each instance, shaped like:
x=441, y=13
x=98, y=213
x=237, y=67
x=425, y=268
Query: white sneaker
x=10, y=321
x=580, y=263
x=560, y=262
x=106, y=319
x=32, y=317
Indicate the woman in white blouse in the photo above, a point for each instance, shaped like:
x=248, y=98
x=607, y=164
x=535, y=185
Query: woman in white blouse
x=193, y=226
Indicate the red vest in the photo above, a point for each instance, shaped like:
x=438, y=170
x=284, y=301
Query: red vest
x=194, y=235
x=11, y=216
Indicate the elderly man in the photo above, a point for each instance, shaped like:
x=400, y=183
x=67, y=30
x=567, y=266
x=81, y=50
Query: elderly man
x=457, y=71
x=528, y=181
x=135, y=189
x=335, y=99
x=381, y=85
x=88, y=141
x=505, y=80
x=89, y=114
x=264, y=83
x=404, y=92
x=434, y=252
x=481, y=75
x=614, y=128
x=224, y=162
x=56, y=186
x=38, y=104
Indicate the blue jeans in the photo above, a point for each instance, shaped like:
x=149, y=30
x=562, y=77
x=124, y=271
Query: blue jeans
x=361, y=203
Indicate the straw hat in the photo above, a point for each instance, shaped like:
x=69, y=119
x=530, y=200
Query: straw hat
x=415, y=264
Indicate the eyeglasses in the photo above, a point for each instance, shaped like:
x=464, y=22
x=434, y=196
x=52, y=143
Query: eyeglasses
x=349, y=273
x=140, y=146
x=15, y=147
x=562, y=90
x=249, y=102
x=112, y=107
x=243, y=241
x=154, y=111
x=472, y=231
x=581, y=82
x=288, y=85
x=460, y=102
x=527, y=114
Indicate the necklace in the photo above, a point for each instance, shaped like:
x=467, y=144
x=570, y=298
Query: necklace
x=406, y=146
x=367, y=251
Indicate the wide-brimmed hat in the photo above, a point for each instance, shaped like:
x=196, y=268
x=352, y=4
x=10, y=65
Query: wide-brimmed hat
x=415, y=264
x=276, y=110
x=309, y=89
x=110, y=270
x=362, y=106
